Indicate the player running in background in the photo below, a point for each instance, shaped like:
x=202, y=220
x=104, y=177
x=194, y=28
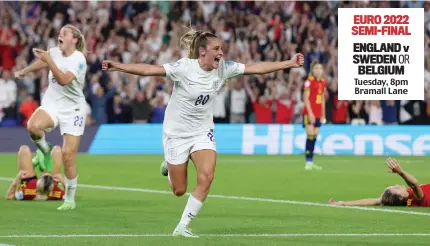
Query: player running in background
x=188, y=123
x=314, y=111
x=396, y=195
x=26, y=186
x=63, y=104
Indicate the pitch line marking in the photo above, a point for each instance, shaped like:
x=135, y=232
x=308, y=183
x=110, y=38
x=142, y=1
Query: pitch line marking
x=227, y=235
x=243, y=198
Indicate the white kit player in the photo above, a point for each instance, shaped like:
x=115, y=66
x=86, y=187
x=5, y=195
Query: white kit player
x=188, y=123
x=63, y=104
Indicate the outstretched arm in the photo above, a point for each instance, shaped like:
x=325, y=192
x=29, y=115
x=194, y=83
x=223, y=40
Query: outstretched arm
x=137, y=69
x=409, y=179
x=36, y=66
x=361, y=202
x=269, y=67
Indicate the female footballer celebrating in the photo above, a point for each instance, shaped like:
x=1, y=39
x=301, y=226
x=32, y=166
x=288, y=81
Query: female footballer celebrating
x=314, y=111
x=188, y=123
x=63, y=103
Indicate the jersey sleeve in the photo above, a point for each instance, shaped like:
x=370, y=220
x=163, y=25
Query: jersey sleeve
x=175, y=70
x=232, y=69
x=78, y=65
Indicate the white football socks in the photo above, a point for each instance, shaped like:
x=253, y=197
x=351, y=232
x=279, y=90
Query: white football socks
x=71, y=185
x=42, y=145
x=190, y=211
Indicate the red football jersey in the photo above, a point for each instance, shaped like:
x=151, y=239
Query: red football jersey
x=58, y=192
x=28, y=189
x=263, y=113
x=425, y=202
x=316, y=90
x=284, y=113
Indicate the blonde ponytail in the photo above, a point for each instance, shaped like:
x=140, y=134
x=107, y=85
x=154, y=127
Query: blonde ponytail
x=193, y=40
x=81, y=44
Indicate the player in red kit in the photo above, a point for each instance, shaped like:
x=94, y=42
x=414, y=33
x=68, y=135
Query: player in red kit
x=417, y=195
x=314, y=111
x=27, y=186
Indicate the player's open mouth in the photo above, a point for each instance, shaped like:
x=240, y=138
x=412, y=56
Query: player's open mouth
x=60, y=41
x=217, y=59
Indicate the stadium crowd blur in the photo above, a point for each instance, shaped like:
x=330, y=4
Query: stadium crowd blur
x=149, y=32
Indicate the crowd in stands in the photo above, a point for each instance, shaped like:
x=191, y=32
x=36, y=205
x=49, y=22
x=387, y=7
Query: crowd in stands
x=149, y=32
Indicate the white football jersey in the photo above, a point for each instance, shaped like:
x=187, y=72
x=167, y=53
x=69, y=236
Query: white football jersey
x=71, y=94
x=190, y=108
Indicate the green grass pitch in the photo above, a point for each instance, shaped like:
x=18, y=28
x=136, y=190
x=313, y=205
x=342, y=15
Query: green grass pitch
x=143, y=216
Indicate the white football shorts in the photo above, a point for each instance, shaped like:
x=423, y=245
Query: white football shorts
x=178, y=150
x=71, y=120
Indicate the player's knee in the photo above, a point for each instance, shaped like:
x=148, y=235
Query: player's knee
x=34, y=128
x=179, y=191
x=24, y=149
x=68, y=155
x=205, y=178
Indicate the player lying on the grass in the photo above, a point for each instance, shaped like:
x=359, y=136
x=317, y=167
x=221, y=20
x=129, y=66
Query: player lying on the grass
x=26, y=186
x=396, y=195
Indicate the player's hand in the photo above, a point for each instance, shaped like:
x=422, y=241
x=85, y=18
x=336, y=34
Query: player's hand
x=298, y=60
x=108, y=66
x=19, y=74
x=312, y=118
x=41, y=54
x=333, y=202
x=393, y=165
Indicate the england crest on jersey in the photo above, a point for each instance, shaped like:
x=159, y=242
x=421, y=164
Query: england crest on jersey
x=216, y=84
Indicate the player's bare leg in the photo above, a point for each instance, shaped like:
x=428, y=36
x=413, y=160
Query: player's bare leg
x=178, y=178
x=205, y=162
x=57, y=159
x=25, y=170
x=312, y=134
x=25, y=164
x=70, y=150
x=38, y=122
x=178, y=182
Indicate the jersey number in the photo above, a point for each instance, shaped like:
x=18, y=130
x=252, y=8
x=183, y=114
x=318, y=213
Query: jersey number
x=202, y=100
x=78, y=121
x=211, y=136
